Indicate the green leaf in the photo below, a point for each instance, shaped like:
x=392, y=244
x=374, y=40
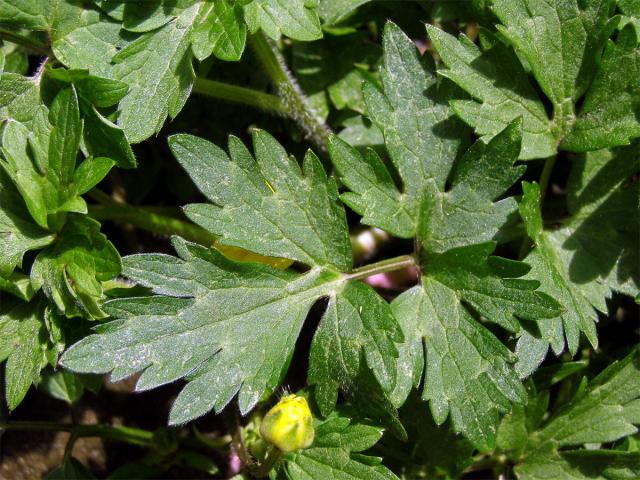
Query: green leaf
x=464, y=214
x=547, y=376
x=64, y=138
x=548, y=268
x=210, y=303
x=90, y=173
x=361, y=133
x=157, y=66
x=22, y=346
x=468, y=212
x=318, y=69
x=602, y=247
x=629, y=7
x=150, y=48
x=294, y=18
x=420, y=151
x=334, y=11
x=151, y=15
x=15, y=59
x=28, y=14
x=516, y=426
x=373, y=193
x=467, y=371
x=20, y=168
x=357, y=320
x=18, y=232
x=581, y=465
x=55, y=17
x=42, y=162
x=18, y=285
x=512, y=434
x=249, y=315
x=500, y=89
x=335, y=453
x=63, y=385
x=293, y=214
x=491, y=285
x=561, y=41
x=99, y=91
x=221, y=32
x=605, y=411
x=103, y=138
x=592, y=254
x=19, y=97
x=454, y=208
x=609, y=114
x=91, y=46
x=611, y=398
x=70, y=272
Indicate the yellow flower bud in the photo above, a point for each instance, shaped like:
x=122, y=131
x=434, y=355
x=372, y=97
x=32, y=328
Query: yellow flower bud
x=289, y=424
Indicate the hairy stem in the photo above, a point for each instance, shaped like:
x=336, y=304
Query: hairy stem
x=24, y=41
x=388, y=265
x=289, y=91
x=147, y=219
x=245, y=96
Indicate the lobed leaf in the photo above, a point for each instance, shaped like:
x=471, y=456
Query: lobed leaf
x=592, y=254
x=231, y=327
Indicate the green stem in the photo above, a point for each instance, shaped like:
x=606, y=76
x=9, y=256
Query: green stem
x=545, y=176
x=116, y=433
x=274, y=455
x=147, y=219
x=487, y=463
x=388, y=265
x=23, y=41
x=246, y=96
x=289, y=91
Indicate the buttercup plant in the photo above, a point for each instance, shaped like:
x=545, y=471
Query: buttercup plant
x=420, y=218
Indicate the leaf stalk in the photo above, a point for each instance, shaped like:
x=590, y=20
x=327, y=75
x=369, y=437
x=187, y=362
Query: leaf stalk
x=147, y=219
x=24, y=41
x=383, y=266
x=117, y=433
x=242, y=95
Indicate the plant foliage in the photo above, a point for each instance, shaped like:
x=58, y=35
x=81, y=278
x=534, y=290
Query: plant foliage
x=447, y=274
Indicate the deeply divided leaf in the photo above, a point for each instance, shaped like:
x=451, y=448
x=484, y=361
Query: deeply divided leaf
x=229, y=327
